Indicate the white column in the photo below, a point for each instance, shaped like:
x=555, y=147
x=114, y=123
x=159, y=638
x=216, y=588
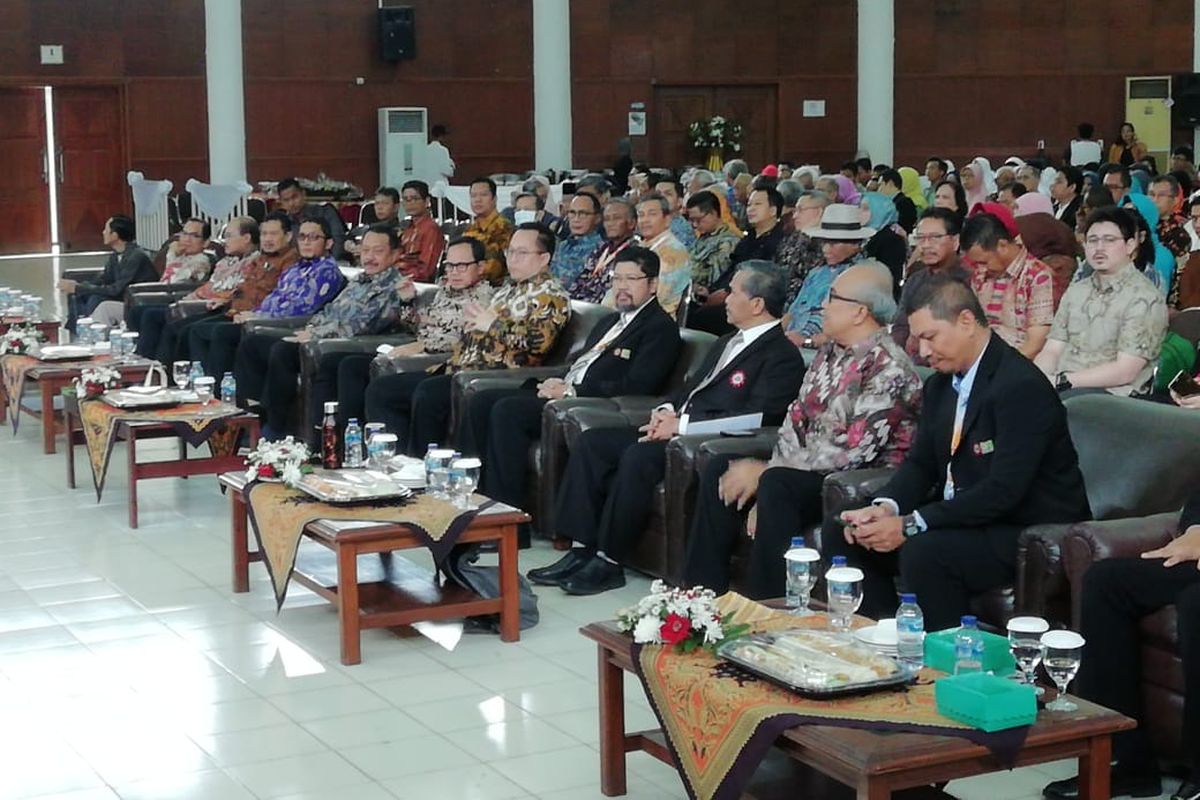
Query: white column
x=876, y=76
x=552, y=84
x=226, y=98
x=1196, y=61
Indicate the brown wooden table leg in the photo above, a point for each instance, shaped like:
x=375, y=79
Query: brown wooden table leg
x=510, y=590
x=70, y=419
x=131, y=438
x=47, y=389
x=349, y=623
x=241, y=543
x=1095, y=769
x=612, y=725
x=873, y=788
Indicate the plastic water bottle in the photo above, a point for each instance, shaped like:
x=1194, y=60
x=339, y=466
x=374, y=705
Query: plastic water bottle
x=910, y=633
x=354, y=445
x=431, y=463
x=968, y=647
x=229, y=389
x=799, y=574
x=197, y=372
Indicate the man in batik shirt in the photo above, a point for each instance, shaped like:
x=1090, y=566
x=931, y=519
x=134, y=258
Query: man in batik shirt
x=713, y=244
x=799, y=253
x=1172, y=228
x=654, y=225
x=490, y=228
x=517, y=329
x=620, y=223
x=857, y=408
x=422, y=241
x=571, y=254
x=672, y=189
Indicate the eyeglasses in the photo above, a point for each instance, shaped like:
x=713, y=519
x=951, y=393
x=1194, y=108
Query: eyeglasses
x=626, y=280
x=312, y=237
x=1107, y=241
x=459, y=266
x=412, y=198
x=932, y=238
x=835, y=296
x=511, y=253
x=191, y=235
x=577, y=213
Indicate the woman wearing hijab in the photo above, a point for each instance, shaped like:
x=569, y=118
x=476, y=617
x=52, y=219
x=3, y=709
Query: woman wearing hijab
x=888, y=244
x=1153, y=257
x=911, y=188
x=974, y=182
x=1050, y=240
x=1127, y=150
x=847, y=192
x=726, y=214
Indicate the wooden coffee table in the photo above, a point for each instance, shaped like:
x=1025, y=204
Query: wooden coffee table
x=48, y=328
x=51, y=378
x=132, y=432
x=874, y=764
x=392, y=591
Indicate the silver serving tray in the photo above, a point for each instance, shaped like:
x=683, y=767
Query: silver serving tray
x=808, y=662
x=351, y=486
x=65, y=352
x=137, y=398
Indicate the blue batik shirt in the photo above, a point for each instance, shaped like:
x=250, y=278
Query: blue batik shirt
x=303, y=289
x=571, y=255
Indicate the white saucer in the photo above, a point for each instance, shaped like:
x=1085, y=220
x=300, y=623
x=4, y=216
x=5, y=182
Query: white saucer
x=879, y=639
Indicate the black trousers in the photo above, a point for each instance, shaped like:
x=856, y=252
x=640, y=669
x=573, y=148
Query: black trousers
x=605, y=496
x=254, y=363
x=214, y=344
x=1116, y=595
x=135, y=314
x=508, y=422
x=413, y=405
x=153, y=321
x=945, y=568
x=170, y=340
x=81, y=306
x=788, y=501
x=353, y=376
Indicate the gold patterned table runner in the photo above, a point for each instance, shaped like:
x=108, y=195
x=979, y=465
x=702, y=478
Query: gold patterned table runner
x=16, y=369
x=720, y=722
x=193, y=422
x=278, y=514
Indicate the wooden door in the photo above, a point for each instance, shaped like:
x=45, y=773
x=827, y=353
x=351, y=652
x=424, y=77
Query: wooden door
x=24, y=194
x=676, y=107
x=92, y=184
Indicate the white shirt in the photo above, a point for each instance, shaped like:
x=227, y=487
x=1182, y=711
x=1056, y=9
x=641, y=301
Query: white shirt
x=748, y=337
x=578, y=370
x=438, y=161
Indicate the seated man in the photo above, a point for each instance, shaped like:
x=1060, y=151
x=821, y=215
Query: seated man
x=841, y=235
x=438, y=326
x=259, y=273
x=1108, y=332
x=128, y=263
x=936, y=239
x=857, y=408
x=713, y=243
x=799, y=253
x=992, y=446
x=620, y=223
x=1015, y=289
x=293, y=200
x=385, y=208
x=654, y=225
x=1117, y=594
x=241, y=245
x=267, y=366
x=608, y=487
x=571, y=254
x=629, y=353
x=422, y=242
x=672, y=189
x=311, y=283
x=490, y=228
x=517, y=329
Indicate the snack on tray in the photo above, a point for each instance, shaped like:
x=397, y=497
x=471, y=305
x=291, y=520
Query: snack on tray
x=811, y=659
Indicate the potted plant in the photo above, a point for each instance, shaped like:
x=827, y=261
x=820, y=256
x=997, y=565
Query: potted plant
x=19, y=340
x=285, y=461
x=715, y=138
x=95, y=381
x=683, y=618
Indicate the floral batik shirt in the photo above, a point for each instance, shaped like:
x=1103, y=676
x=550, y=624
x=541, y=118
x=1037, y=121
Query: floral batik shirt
x=1020, y=298
x=369, y=304
x=495, y=232
x=187, y=269
x=798, y=254
x=596, y=279
x=227, y=276
x=571, y=257
x=303, y=289
x=710, y=254
x=530, y=316
x=439, y=325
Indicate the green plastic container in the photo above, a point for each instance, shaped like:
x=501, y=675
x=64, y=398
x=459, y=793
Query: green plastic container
x=997, y=658
x=986, y=702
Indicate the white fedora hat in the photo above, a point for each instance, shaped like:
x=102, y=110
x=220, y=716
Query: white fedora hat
x=841, y=221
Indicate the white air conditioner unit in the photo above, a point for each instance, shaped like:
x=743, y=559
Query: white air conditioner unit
x=403, y=137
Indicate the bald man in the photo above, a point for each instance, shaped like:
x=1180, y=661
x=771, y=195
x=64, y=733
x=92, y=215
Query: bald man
x=857, y=408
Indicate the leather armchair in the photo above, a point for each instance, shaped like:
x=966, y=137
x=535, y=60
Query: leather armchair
x=1162, y=669
x=275, y=324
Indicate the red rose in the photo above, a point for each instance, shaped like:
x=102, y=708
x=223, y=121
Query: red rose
x=266, y=471
x=675, y=629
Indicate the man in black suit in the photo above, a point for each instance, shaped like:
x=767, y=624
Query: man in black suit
x=605, y=496
x=992, y=456
x=631, y=352
x=1117, y=594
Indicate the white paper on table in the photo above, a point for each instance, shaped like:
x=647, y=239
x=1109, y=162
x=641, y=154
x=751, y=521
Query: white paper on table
x=742, y=422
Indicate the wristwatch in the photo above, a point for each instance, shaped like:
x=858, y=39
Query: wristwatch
x=808, y=342
x=1061, y=381
x=911, y=528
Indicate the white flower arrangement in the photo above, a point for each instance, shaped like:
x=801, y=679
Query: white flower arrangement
x=716, y=133
x=684, y=618
x=19, y=340
x=284, y=460
x=93, y=381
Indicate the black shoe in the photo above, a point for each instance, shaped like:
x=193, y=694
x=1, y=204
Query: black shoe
x=595, y=577
x=562, y=569
x=1124, y=784
x=1188, y=790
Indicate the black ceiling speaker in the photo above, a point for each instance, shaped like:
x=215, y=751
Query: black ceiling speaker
x=1185, y=92
x=397, y=33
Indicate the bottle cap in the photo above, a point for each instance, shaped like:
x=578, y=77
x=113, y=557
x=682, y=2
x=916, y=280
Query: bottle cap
x=331, y=407
x=969, y=621
x=227, y=375
x=839, y=561
x=354, y=420
x=798, y=541
x=908, y=598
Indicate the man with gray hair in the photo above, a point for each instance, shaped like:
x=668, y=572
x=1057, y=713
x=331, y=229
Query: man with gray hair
x=605, y=497
x=699, y=180
x=857, y=408
x=799, y=253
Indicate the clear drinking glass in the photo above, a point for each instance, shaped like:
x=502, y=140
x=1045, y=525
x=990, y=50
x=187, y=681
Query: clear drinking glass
x=1061, y=654
x=204, y=389
x=803, y=571
x=382, y=450
x=439, y=475
x=464, y=477
x=181, y=373
x=844, y=585
x=1025, y=641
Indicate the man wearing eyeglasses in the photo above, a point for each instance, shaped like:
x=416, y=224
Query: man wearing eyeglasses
x=1109, y=328
x=935, y=240
x=422, y=242
x=571, y=254
x=517, y=329
x=712, y=245
x=672, y=189
x=489, y=227
x=301, y=291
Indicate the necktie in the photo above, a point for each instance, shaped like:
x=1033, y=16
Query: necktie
x=960, y=410
x=575, y=374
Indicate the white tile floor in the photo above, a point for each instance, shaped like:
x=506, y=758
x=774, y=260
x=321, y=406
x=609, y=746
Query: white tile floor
x=129, y=670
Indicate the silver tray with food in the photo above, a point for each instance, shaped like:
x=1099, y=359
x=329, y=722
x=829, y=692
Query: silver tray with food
x=351, y=486
x=64, y=352
x=818, y=664
x=138, y=398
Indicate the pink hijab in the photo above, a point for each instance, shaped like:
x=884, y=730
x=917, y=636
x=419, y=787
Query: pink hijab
x=1033, y=203
x=847, y=192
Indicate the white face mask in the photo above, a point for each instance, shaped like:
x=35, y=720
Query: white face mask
x=522, y=216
